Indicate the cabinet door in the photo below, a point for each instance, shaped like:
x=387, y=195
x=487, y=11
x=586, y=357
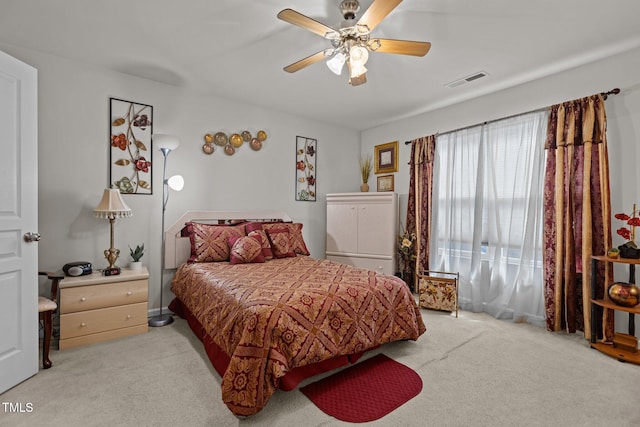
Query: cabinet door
x=342, y=228
x=375, y=229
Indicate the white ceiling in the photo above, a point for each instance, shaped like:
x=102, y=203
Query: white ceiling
x=236, y=49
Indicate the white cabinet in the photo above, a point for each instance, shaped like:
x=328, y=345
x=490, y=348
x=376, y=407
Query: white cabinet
x=362, y=230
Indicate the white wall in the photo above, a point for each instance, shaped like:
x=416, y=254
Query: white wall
x=73, y=152
x=623, y=114
x=73, y=158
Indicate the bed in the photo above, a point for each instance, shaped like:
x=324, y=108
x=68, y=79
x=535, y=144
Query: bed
x=268, y=314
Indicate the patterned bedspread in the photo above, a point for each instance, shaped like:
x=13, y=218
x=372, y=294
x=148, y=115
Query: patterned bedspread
x=272, y=317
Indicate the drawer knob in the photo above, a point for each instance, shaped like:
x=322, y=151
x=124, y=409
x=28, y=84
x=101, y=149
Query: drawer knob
x=129, y=293
x=83, y=299
x=128, y=316
x=83, y=324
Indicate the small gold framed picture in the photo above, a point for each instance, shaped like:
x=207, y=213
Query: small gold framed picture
x=385, y=183
x=386, y=157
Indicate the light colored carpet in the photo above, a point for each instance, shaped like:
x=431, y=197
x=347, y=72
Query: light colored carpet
x=477, y=371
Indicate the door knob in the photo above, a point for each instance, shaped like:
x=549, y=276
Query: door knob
x=32, y=237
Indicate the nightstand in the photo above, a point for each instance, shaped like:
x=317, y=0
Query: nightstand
x=96, y=308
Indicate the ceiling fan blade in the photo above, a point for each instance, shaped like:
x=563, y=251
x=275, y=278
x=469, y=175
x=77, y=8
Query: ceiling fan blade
x=312, y=59
x=378, y=10
x=402, y=47
x=302, y=21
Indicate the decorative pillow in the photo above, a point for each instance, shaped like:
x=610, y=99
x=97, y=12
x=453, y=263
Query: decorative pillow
x=209, y=241
x=295, y=234
x=256, y=228
x=245, y=249
x=280, y=242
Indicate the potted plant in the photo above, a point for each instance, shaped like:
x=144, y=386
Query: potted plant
x=136, y=255
x=365, y=171
x=613, y=253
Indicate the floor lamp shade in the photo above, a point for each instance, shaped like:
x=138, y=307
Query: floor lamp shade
x=111, y=207
x=164, y=141
x=166, y=144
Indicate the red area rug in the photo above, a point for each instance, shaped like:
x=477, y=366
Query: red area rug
x=366, y=391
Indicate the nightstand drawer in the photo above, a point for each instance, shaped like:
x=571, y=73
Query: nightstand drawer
x=92, y=297
x=104, y=319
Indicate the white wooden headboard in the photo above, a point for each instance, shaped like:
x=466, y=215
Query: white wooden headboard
x=178, y=248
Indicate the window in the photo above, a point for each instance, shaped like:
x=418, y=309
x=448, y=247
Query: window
x=487, y=214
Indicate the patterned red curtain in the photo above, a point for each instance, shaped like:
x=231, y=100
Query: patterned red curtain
x=419, y=201
x=577, y=213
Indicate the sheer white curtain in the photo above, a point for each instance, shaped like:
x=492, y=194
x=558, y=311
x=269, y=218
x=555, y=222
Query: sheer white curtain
x=487, y=215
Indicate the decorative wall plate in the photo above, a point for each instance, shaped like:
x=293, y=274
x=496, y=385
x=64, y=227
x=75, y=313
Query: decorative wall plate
x=256, y=144
x=220, y=138
x=229, y=150
x=262, y=135
x=246, y=136
x=207, y=148
x=235, y=140
x=208, y=138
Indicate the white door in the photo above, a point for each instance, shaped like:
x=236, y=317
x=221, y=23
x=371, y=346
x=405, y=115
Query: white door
x=18, y=216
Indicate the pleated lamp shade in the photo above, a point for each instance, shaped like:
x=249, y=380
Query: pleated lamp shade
x=112, y=205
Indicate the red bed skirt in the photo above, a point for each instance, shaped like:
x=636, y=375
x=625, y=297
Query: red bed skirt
x=220, y=360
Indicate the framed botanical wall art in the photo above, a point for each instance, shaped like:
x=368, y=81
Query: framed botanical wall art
x=130, y=130
x=385, y=183
x=306, y=169
x=386, y=158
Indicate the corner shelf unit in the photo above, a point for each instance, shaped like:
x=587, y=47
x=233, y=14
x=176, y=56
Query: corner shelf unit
x=597, y=305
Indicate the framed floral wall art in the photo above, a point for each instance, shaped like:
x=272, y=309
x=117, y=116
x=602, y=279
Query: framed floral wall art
x=306, y=169
x=386, y=158
x=130, y=128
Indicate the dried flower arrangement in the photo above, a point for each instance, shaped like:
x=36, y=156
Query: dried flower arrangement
x=629, y=249
x=365, y=168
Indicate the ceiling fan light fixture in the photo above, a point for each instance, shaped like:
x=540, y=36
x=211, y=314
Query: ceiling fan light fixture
x=336, y=63
x=358, y=56
x=352, y=39
x=356, y=70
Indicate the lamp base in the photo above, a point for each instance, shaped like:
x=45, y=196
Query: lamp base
x=161, y=320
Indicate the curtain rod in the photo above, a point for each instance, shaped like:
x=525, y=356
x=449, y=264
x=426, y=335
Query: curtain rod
x=605, y=95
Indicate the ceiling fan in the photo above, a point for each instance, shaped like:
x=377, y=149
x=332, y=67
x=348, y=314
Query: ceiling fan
x=352, y=43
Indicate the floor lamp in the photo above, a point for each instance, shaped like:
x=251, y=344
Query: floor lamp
x=166, y=144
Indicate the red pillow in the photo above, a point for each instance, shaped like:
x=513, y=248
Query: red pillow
x=245, y=249
x=295, y=234
x=280, y=242
x=209, y=242
x=254, y=228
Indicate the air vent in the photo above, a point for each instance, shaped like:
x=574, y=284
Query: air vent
x=472, y=77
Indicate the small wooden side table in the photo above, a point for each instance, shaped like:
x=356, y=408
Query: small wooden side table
x=96, y=308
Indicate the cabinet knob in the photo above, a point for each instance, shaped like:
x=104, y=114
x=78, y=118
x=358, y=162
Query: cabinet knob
x=83, y=299
x=129, y=293
x=128, y=316
x=83, y=324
